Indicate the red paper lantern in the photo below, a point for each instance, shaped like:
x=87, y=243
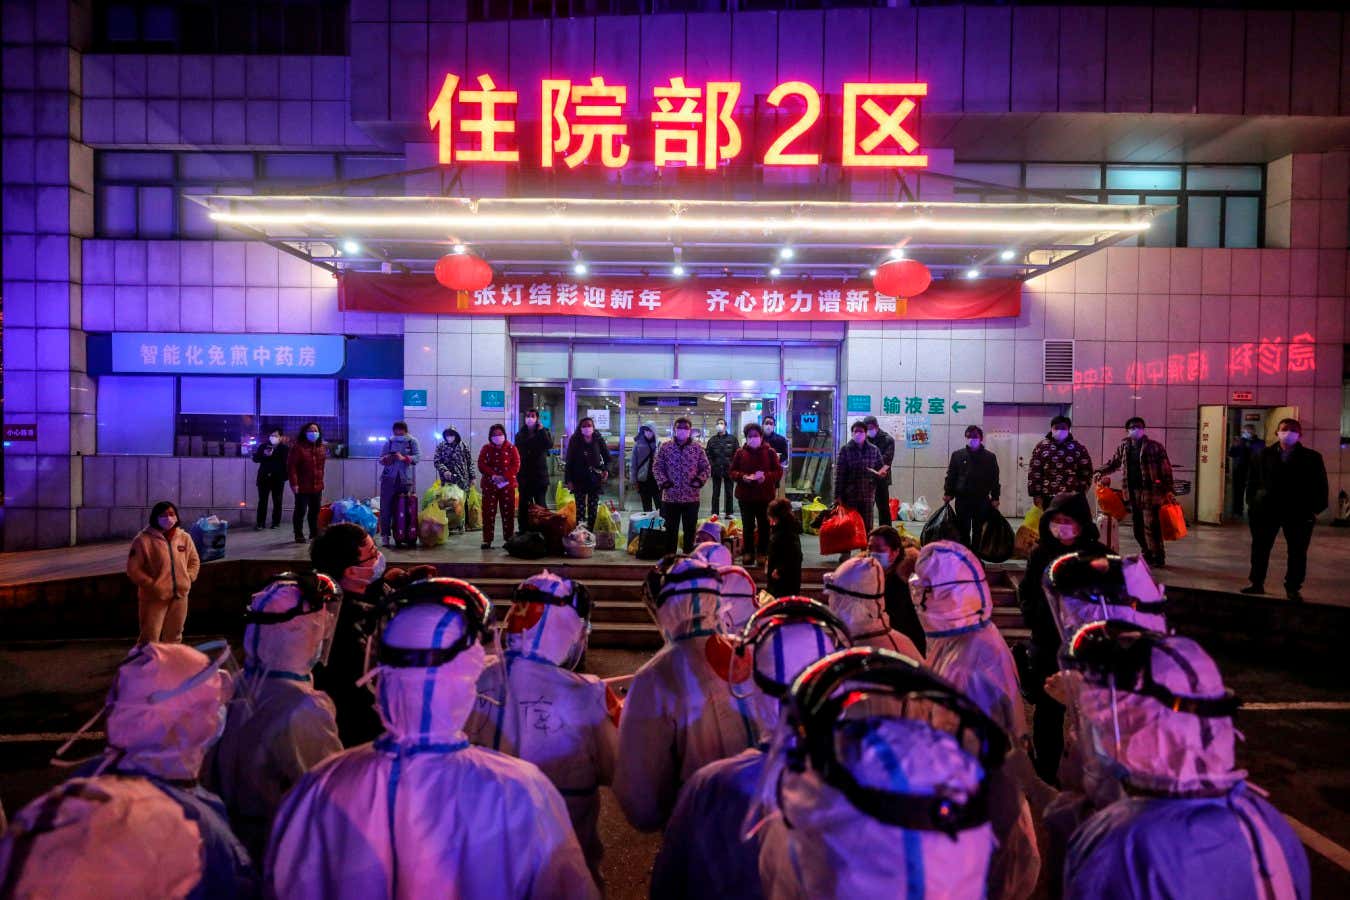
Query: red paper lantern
x=463, y=272
x=902, y=278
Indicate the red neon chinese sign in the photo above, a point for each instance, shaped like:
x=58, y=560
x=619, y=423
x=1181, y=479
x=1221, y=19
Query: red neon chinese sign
x=691, y=125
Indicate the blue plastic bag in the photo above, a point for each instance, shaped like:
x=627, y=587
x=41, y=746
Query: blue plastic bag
x=208, y=535
x=364, y=516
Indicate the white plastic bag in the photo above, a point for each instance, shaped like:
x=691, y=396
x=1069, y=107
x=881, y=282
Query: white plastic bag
x=1110, y=531
x=920, y=510
x=906, y=513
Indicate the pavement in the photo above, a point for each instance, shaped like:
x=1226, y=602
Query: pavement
x=1297, y=728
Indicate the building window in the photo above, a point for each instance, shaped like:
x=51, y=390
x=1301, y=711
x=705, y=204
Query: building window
x=135, y=414
x=1215, y=206
x=299, y=27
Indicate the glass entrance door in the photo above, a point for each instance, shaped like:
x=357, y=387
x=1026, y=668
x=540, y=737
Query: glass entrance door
x=813, y=442
x=549, y=399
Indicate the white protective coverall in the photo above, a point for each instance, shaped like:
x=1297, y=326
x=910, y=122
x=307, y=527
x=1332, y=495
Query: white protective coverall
x=688, y=705
x=532, y=706
x=856, y=593
x=279, y=727
x=1197, y=829
x=705, y=852
x=952, y=599
x=738, y=599
x=421, y=812
x=831, y=849
x=138, y=825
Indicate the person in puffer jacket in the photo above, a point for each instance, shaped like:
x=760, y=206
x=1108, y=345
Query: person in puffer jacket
x=163, y=564
x=1059, y=464
x=681, y=469
x=721, y=447
x=452, y=461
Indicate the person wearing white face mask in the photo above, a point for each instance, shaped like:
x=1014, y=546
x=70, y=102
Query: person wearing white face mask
x=972, y=478
x=681, y=469
x=721, y=448
x=1286, y=489
x=1059, y=464
x=1148, y=485
x=304, y=469
x=270, y=455
x=163, y=564
x=499, y=464
x=856, y=471
x=755, y=468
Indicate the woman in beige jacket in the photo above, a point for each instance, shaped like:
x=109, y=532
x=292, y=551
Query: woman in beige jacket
x=163, y=564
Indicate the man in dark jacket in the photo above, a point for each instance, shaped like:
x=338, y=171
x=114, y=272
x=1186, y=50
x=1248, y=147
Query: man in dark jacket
x=855, y=474
x=721, y=447
x=270, y=455
x=1241, y=454
x=1066, y=527
x=533, y=443
x=778, y=443
x=1148, y=485
x=972, y=480
x=886, y=444
x=1286, y=489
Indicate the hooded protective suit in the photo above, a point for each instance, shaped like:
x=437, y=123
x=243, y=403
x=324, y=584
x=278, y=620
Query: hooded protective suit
x=704, y=852
x=530, y=705
x=421, y=810
x=1198, y=829
x=689, y=705
x=139, y=826
x=279, y=726
x=965, y=647
x=738, y=599
x=856, y=593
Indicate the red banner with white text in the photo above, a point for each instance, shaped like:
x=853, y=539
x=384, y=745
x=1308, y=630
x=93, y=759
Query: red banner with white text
x=782, y=300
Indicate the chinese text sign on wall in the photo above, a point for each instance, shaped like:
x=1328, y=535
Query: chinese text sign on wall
x=690, y=125
x=227, y=354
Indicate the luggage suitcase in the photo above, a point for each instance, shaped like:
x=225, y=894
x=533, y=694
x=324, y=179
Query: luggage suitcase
x=403, y=525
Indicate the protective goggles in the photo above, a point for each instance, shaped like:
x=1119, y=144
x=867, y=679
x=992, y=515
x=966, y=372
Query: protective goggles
x=1098, y=580
x=317, y=592
x=578, y=597
x=661, y=584
x=1120, y=655
x=451, y=594
x=830, y=585
x=818, y=707
x=787, y=611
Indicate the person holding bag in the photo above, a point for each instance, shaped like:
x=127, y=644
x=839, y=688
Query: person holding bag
x=586, y=470
x=499, y=463
x=1148, y=485
x=856, y=472
x=756, y=471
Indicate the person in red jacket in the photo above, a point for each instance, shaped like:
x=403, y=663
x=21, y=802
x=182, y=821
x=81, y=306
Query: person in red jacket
x=499, y=462
x=304, y=470
x=755, y=470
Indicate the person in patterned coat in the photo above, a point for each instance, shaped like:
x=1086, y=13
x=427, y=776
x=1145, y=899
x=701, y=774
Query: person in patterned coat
x=1148, y=485
x=1059, y=464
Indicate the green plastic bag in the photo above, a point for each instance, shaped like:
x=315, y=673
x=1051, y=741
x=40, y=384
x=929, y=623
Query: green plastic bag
x=473, y=510
x=810, y=511
x=431, y=495
x=432, y=526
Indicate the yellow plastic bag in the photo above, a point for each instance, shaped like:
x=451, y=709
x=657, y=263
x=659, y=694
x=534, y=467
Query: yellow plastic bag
x=809, y=513
x=604, y=521
x=432, y=526
x=562, y=496
x=633, y=544
x=569, y=512
x=473, y=510
x=1033, y=520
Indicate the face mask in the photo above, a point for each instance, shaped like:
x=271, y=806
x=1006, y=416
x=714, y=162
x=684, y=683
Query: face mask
x=498, y=439
x=274, y=440
x=587, y=432
x=531, y=421
x=400, y=434
x=1136, y=434
x=312, y=435
x=973, y=443
x=721, y=427
x=681, y=434
x=754, y=442
x=1064, y=532
x=859, y=437
x=768, y=428
x=883, y=557
x=167, y=522
x=871, y=432
x=1247, y=435
x=1061, y=434
x=1289, y=438
x=364, y=575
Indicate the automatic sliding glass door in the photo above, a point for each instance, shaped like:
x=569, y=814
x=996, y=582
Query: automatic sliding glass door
x=606, y=409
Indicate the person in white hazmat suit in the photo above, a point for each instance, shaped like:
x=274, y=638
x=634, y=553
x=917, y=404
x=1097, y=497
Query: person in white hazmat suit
x=1154, y=708
x=737, y=597
x=690, y=704
x=421, y=812
x=532, y=705
x=280, y=727
x=704, y=852
x=134, y=822
x=856, y=593
x=859, y=799
x=951, y=595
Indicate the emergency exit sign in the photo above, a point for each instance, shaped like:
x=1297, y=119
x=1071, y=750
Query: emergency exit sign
x=1242, y=396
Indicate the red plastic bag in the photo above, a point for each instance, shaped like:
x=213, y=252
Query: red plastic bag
x=1173, y=521
x=895, y=508
x=1110, y=502
x=842, y=531
x=325, y=516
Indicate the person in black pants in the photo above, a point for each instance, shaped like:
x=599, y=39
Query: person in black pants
x=972, y=479
x=721, y=447
x=586, y=470
x=886, y=444
x=533, y=443
x=1286, y=489
x=779, y=445
x=271, y=459
x=783, y=560
x=755, y=470
x=644, y=455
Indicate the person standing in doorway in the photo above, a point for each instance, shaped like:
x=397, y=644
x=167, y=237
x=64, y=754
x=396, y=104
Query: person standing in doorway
x=886, y=444
x=1241, y=456
x=972, y=480
x=779, y=445
x=856, y=472
x=587, y=470
x=533, y=443
x=398, y=467
x=681, y=469
x=499, y=464
x=270, y=455
x=755, y=470
x=1148, y=485
x=1059, y=465
x=1286, y=489
x=722, y=446
x=644, y=456
x=163, y=564
x=304, y=470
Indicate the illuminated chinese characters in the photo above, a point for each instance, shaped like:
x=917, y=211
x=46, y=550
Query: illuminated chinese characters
x=1267, y=356
x=690, y=125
